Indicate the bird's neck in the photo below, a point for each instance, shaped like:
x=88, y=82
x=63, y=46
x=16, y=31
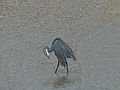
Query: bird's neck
x=50, y=49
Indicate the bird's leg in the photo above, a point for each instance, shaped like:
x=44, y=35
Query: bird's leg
x=57, y=67
x=67, y=67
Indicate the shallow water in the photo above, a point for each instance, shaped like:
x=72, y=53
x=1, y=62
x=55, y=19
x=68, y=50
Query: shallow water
x=90, y=27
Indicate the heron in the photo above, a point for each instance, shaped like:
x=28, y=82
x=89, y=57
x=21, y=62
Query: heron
x=62, y=51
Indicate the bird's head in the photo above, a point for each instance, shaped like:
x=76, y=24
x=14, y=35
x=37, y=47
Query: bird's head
x=46, y=51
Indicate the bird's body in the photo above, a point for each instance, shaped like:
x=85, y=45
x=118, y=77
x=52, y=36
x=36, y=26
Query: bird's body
x=62, y=52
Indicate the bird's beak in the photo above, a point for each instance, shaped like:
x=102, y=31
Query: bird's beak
x=48, y=54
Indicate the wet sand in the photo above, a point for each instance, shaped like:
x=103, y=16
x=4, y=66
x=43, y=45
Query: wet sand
x=90, y=27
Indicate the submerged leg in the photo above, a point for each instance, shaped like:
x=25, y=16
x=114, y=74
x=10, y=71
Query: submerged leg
x=67, y=67
x=57, y=67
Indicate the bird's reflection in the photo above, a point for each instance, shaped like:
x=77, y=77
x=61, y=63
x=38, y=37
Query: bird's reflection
x=61, y=81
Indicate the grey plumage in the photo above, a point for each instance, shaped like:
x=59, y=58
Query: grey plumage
x=62, y=52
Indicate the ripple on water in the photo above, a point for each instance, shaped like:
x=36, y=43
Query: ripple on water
x=63, y=81
x=60, y=80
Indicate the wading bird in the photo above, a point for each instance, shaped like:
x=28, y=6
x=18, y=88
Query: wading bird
x=62, y=52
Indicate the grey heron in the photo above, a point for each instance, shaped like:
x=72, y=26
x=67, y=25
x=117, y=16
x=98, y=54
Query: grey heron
x=62, y=51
